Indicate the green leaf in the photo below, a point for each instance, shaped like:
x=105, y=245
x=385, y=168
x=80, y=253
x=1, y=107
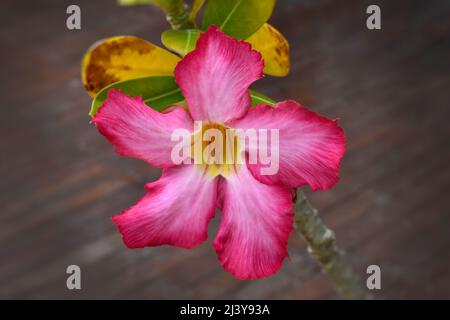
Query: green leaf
x=157, y=92
x=180, y=41
x=237, y=18
x=198, y=4
x=258, y=98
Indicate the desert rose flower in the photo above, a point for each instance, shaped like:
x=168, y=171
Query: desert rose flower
x=257, y=209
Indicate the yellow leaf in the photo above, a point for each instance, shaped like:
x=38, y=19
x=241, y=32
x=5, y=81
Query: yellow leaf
x=274, y=48
x=121, y=58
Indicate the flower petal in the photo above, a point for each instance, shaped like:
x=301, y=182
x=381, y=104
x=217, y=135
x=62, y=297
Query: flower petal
x=137, y=131
x=310, y=146
x=215, y=77
x=256, y=223
x=176, y=211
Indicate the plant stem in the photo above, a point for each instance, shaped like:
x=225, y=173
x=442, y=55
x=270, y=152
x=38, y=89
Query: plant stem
x=177, y=13
x=321, y=243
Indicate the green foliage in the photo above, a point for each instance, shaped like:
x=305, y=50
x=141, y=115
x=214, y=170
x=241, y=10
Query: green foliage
x=259, y=98
x=180, y=41
x=157, y=92
x=237, y=18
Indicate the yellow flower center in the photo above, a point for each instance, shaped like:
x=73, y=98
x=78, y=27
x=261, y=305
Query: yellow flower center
x=215, y=149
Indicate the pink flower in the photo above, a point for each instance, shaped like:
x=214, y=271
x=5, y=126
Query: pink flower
x=257, y=210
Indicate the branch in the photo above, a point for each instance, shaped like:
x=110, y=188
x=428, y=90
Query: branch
x=176, y=14
x=321, y=243
x=176, y=11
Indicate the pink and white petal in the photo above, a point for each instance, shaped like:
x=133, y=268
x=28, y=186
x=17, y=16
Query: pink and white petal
x=176, y=211
x=310, y=146
x=215, y=77
x=136, y=130
x=257, y=220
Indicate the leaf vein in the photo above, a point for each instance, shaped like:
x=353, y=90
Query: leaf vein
x=229, y=16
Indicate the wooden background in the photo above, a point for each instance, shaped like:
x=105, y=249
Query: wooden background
x=60, y=181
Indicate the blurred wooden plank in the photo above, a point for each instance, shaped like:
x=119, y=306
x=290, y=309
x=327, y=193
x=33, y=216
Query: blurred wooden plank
x=61, y=181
